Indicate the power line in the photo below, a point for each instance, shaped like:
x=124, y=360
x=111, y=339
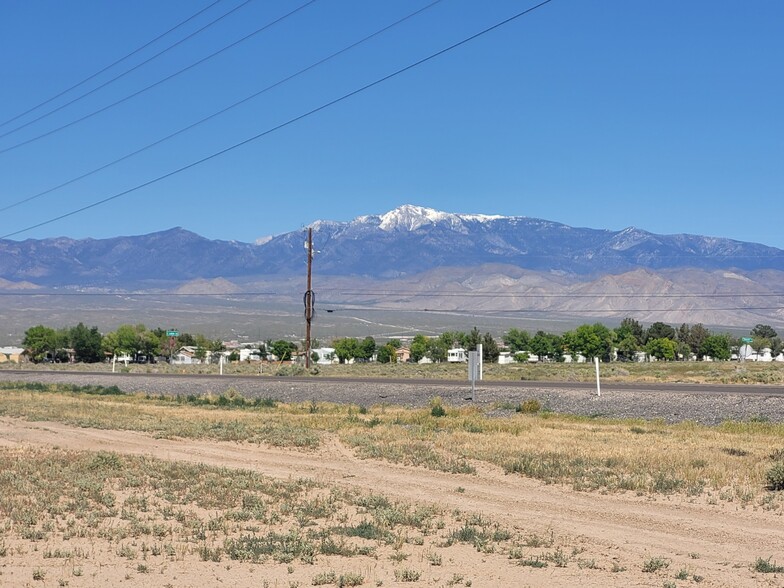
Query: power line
x=500, y=295
x=284, y=124
x=108, y=67
x=154, y=84
x=490, y=312
x=222, y=111
x=143, y=294
x=545, y=296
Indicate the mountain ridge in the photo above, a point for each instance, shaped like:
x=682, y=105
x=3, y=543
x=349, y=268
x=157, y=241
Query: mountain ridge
x=405, y=241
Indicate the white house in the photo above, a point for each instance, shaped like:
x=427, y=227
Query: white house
x=505, y=357
x=250, y=354
x=326, y=355
x=456, y=355
x=12, y=354
x=186, y=355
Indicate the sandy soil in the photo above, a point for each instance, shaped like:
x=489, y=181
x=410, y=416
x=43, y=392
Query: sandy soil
x=716, y=543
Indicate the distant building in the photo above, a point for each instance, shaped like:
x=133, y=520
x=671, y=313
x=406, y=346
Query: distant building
x=326, y=355
x=506, y=357
x=12, y=355
x=456, y=355
x=402, y=355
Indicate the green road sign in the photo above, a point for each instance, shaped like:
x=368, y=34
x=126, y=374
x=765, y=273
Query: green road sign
x=172, y=333
x=747, y=339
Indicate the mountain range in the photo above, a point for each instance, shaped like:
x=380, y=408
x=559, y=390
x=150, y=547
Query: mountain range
x=490, y=263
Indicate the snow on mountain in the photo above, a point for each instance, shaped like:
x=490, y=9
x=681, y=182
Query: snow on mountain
x=402, y=242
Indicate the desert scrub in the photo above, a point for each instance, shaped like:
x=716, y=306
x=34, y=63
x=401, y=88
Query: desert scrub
x=775, y=476
x=142, y=512
x=587, y=453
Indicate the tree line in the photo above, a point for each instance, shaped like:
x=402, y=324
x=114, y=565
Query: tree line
x=624, y=342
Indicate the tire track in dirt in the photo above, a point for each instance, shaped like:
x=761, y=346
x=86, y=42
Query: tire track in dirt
x=616, y=526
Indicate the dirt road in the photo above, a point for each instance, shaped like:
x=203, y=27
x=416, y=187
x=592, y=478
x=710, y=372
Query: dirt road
x=716, y=542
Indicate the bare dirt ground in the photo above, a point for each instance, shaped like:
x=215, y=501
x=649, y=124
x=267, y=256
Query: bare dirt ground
x=713, y=544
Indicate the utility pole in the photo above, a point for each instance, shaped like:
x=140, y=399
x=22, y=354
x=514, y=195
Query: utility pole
x=310, y=298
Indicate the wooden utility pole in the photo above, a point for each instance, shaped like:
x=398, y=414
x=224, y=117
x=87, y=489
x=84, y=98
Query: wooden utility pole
x=310, y=298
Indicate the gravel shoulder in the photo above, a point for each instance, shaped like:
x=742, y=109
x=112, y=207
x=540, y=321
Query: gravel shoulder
x=697, y=406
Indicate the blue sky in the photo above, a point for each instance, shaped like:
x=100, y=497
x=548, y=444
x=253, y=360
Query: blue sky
x=662, y=115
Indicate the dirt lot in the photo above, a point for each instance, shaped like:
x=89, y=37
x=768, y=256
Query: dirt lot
x=614, y=539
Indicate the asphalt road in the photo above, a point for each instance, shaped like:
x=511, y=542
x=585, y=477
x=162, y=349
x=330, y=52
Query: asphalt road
x=229, y=380
x=709, y=404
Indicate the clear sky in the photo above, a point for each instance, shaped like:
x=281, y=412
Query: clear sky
x=666, y=115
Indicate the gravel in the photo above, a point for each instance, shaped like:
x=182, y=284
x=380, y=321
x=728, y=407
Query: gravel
x=708, y=408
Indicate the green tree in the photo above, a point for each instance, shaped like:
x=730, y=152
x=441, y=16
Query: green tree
x=346, y=349
x=628, y=348
x=717, y=347
x=472, y=340
x=123, y=341
x=490, y=350
x=630, y=328
x=450, y=338
x=283, y=350
x=437, y=350
x=517, y=340
x=659, y=330
x=662, y=348
x=541, y=345
x=386, y=354
x=419, y=347
x=86, y=343
x=40, y=341
x=763, y=332
x=366, y=348
x=592, y=341
x=697, y=335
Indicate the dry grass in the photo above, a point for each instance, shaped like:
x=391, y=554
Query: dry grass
x=81, y=512
x=687, y=372
x=727, y=462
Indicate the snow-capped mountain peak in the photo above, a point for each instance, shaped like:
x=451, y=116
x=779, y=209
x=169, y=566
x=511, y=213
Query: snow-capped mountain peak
x=410, y=217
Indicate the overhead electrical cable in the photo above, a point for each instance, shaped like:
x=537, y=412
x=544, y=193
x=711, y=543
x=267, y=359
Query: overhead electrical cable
x=540, y=296
x=548, y=310
x=154, y=84
x=284, y=124
x=111, y=65
x=253, y=293
x=223, y=110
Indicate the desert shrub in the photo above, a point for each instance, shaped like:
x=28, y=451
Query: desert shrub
x=291, y=370
x=530, y=406
x=764, y=566
x=775, y=476
x=436, y=407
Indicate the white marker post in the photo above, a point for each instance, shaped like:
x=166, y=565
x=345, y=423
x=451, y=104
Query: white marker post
x=598, y=386
x=473, y=371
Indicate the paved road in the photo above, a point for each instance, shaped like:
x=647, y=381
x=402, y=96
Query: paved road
x=704, y=403
x=229, y=380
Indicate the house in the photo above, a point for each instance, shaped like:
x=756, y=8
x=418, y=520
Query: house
x=250, y=354
x=326, y=355
x=403, y=354
x=12, y=355
x=505, y=358
x=456, y=355
x=187, y=355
